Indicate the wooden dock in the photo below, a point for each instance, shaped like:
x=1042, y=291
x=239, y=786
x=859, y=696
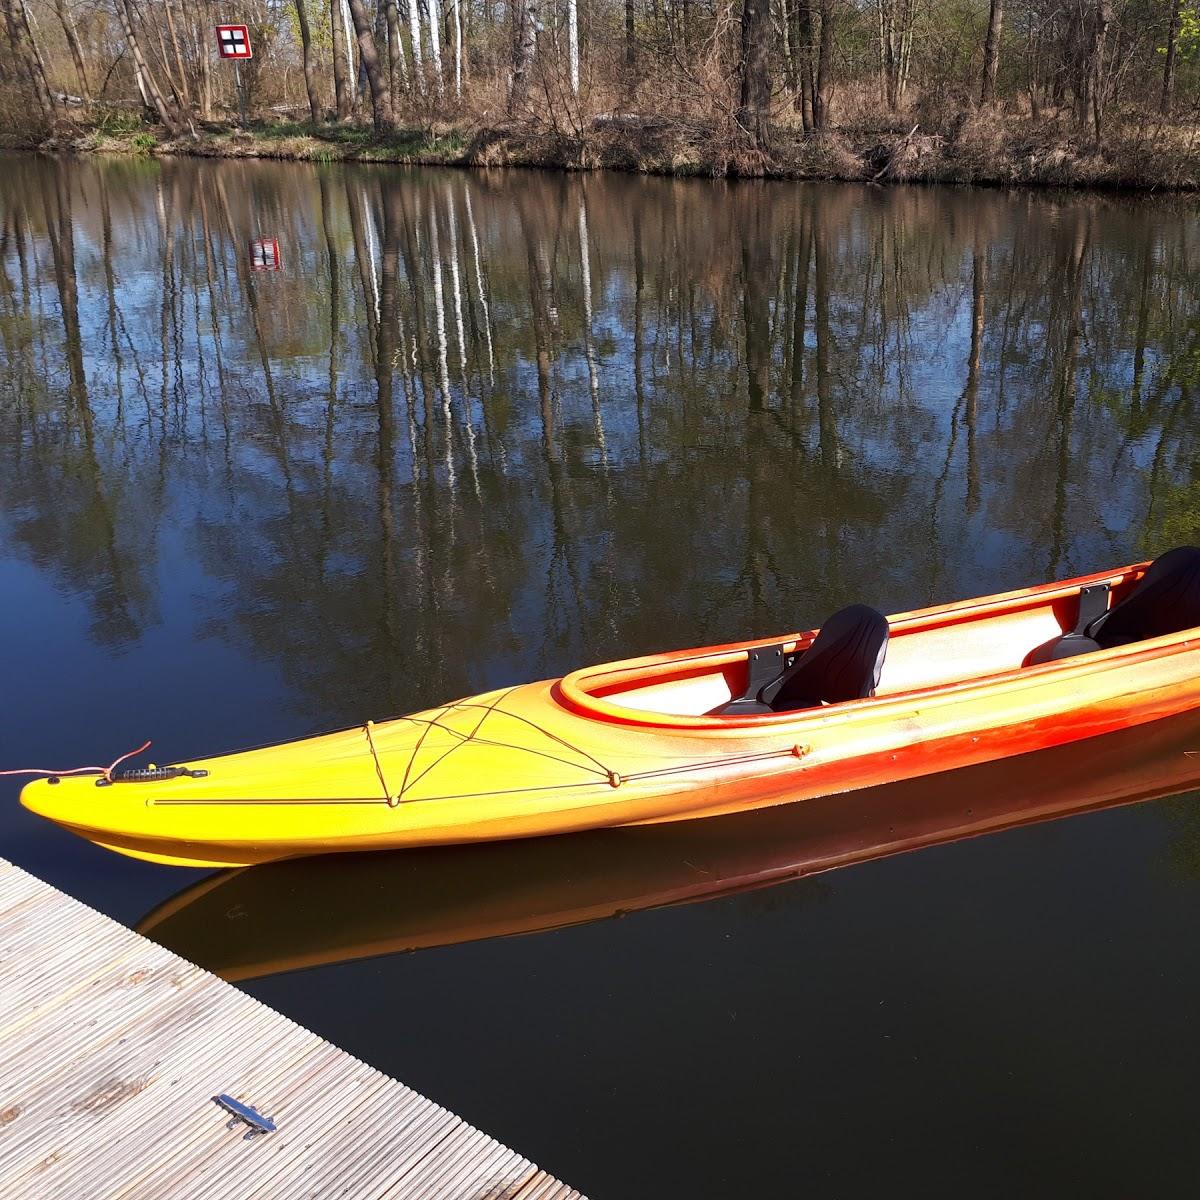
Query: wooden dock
x=113, y=1048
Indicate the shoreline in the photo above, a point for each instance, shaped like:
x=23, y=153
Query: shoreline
x=982, y=150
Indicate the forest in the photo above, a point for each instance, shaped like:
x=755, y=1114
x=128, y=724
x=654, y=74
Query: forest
x=1044, y=91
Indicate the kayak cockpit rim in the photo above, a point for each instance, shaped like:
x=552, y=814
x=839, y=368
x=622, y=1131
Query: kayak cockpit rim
x=665, y=690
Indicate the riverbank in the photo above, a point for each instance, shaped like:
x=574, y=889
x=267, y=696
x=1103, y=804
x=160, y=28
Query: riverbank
x=982, y=147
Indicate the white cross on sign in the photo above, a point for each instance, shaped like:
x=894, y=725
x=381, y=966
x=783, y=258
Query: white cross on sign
x=233, y=41
x=264, y=255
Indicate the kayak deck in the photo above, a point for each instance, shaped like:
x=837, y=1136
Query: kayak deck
x=638, y=742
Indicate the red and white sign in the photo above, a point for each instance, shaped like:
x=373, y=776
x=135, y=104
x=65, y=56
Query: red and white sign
x=233, y=41
x=264, y=255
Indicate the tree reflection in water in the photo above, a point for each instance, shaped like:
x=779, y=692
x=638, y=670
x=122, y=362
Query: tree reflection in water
x=484, y=427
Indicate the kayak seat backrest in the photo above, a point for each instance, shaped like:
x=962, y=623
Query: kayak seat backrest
x=1092, y=605
x=844, y=662
x=1165, y=600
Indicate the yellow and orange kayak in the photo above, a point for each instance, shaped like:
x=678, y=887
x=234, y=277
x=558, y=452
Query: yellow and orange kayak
x=247, y=923
x=644, y=741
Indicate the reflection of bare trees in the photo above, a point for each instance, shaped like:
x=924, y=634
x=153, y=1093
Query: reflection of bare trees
x=476, y=431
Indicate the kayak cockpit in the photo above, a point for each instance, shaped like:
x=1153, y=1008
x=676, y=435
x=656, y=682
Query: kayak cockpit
x=928, y=649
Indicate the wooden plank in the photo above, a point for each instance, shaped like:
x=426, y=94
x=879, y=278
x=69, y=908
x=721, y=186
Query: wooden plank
x=111, y=1049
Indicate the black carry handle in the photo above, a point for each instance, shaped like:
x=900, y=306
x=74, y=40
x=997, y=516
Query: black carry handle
x=151, y=775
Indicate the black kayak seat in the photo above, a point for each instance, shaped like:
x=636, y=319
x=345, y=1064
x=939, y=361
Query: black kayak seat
x=843, y=663
x=1165, y=600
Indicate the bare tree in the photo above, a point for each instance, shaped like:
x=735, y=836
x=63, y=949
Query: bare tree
x=823, y=86
x=525, y=33
x=1168, y=78
x=991, y=52
x=67, y=20
x=755, y=101
x=157, y=99
x=435, y=42
x=572, y=42
x=341, y=87
x=310, y=74
x=24, y=45
x=381, y=103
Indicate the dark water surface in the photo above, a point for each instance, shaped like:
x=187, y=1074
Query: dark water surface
x=483, y=428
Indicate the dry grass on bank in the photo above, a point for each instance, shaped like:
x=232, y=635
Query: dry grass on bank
x=948, y=143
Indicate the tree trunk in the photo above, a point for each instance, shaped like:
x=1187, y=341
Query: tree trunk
x=630, y=35
x=397, y=72
x=804, y=50
x=435, y=43
x=414, y=33
x=573, y=43
x=184, y=91
x=310, y=72
x=348, y=47
x=1168, y=81
x=381, y=105
x=67, y=21
x=458, y=48
x=991, y=52
x=341, y=91
x=756, y=71
x=524, y=50
x=823, y=90
x=157, y=99
x=202, y=31
x=26, y=53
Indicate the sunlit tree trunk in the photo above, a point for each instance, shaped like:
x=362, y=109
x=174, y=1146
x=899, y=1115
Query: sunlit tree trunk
x=381, y=105
x=573, y=43
x=148, y=81
x=310, y=73
x=28, y=65
x=458, y=48
x=341, y=87
x=414, y=30
x=184, y=91
x=20, y=36
x=202, y=30
x=435, y=42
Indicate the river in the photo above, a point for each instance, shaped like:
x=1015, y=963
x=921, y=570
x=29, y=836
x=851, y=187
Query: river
x=283, y=447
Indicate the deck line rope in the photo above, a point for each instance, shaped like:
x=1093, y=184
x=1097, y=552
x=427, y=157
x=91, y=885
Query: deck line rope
x=105, y=771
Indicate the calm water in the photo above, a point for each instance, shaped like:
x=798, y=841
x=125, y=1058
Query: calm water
x=482, y=428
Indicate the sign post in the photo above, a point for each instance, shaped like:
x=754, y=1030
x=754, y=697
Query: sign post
x=233, y=41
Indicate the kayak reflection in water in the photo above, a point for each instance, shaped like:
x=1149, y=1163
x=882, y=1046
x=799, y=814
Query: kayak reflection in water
x=334, y=908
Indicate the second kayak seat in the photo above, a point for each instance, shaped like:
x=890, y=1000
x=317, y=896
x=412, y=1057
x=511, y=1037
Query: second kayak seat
x=1165, y=600
x=843, y=663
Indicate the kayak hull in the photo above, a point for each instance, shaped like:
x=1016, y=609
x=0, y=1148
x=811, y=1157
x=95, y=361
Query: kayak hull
x=596, y=749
